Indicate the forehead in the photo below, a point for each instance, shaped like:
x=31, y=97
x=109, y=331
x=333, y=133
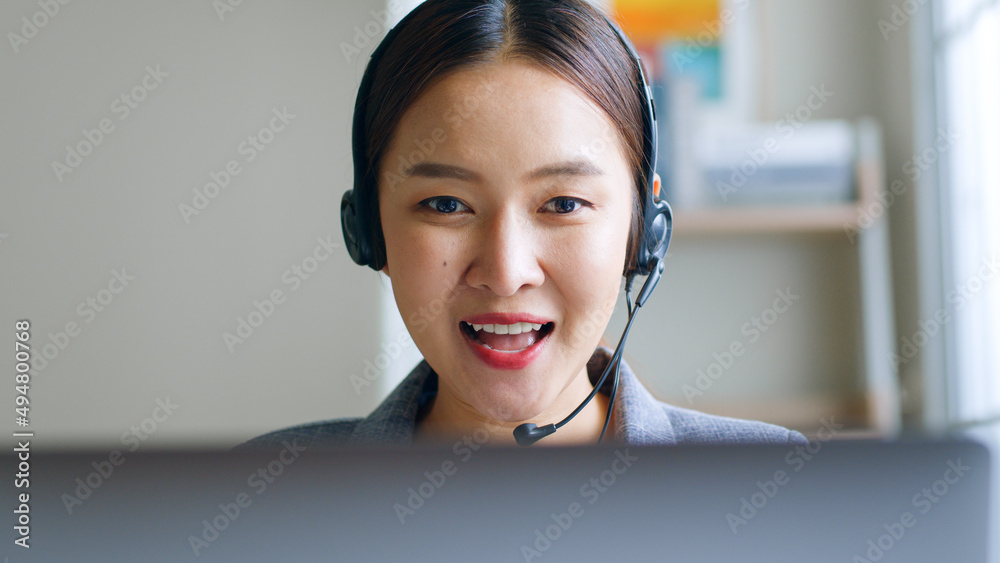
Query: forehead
x=514, y=113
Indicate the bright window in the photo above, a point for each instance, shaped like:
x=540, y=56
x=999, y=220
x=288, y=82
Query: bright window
x=967, y=70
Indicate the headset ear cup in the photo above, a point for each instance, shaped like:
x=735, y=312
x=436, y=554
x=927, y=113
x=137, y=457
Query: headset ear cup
x=656, y=238
x=352, y=223
x=662, y=230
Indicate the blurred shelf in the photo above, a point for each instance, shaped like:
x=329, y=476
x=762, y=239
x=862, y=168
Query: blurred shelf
x=791, y=219
x=873, y=408
x=849, y=413
x=758, y=219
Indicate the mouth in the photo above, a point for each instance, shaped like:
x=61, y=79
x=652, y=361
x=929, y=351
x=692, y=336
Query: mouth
x=506, y=346
x=511, y=338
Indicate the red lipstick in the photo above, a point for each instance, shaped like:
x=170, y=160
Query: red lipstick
x=504, y=359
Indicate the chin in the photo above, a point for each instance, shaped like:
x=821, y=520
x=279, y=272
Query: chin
x=513, y=406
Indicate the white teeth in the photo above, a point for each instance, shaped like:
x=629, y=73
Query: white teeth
x=516, y=328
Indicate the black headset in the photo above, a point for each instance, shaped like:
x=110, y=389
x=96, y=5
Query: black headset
x=360, y=238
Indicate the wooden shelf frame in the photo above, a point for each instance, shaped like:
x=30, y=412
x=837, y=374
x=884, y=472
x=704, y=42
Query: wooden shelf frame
x=807, y=218
x=864, y=224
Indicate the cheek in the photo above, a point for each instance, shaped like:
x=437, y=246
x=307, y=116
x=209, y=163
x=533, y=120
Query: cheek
x=420, y=267
x=595, y=252
x=420, y=248
x=588, y=272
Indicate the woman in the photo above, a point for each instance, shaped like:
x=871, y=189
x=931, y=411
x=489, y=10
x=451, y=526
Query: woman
x=502, y=162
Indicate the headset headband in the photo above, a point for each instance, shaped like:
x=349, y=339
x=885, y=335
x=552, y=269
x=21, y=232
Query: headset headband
x=359, y=234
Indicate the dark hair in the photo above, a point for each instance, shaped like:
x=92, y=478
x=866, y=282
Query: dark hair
x=567, y=37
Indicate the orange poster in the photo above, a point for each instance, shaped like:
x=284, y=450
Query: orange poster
x=653, y=21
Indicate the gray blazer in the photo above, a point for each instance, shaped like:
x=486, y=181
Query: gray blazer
x=640, y=418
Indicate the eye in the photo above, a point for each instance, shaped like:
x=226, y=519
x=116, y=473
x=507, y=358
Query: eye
x=444, y=205
x=565, y=205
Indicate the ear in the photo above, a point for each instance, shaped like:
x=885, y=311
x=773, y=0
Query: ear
x=656, y=184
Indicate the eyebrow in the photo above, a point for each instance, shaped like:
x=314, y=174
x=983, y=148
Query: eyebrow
x=580, y=167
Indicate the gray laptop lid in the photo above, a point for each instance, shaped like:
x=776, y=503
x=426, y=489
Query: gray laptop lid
x=834, y=501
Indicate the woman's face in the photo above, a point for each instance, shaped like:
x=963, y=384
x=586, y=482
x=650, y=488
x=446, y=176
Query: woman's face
x=506, y=198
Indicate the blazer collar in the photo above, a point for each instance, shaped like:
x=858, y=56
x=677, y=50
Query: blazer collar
x=640, y=419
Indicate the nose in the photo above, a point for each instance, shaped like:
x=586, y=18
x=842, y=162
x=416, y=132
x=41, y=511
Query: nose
x=506, y=255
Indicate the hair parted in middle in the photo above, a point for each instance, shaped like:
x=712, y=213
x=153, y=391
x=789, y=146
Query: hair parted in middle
x=569, y=38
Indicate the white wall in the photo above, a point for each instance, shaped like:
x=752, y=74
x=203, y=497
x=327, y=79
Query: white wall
x=162, y=335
